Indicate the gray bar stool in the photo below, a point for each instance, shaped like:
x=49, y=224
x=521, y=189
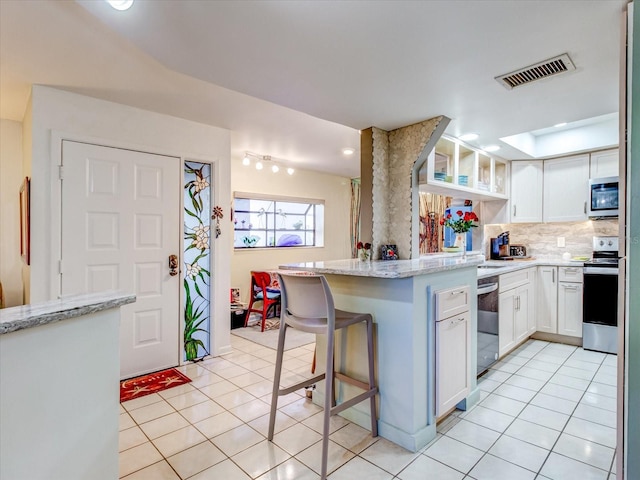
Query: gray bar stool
x=307, y=305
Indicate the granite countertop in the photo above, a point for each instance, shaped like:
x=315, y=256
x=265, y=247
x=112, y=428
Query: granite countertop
x=389, y=268
x=34, y=315
x=506, y=266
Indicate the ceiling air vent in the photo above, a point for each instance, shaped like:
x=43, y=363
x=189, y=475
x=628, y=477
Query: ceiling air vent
x=547, y=68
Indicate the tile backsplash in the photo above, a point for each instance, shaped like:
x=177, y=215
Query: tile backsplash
x=541, y=239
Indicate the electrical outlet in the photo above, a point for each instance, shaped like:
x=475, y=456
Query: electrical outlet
x=561, y=242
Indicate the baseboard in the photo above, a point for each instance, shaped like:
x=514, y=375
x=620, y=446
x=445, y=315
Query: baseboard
x=555, y=338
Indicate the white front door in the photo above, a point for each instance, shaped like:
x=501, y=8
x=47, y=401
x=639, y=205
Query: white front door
x=120, y=223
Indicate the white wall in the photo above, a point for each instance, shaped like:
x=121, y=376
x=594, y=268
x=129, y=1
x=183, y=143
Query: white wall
x=334, y=190
x=11, y=178
x=56, y=114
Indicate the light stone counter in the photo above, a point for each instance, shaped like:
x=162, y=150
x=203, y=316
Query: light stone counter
x=389, y=268
x=505, y=266
x=28, y=316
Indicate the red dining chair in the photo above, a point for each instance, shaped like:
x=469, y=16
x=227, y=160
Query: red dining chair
x=262, y=292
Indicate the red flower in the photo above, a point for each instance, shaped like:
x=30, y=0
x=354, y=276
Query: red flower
x=359, y=246
x=367, y=246
x=462, y=224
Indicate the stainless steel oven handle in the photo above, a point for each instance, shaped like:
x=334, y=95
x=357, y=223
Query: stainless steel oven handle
x=600, y=270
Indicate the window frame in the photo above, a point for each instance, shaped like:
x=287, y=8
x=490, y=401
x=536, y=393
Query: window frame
x=312, y=204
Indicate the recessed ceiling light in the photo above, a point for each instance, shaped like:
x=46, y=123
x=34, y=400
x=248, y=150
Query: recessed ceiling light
x=467, y=137
x=120, y=4
x=348, y=151
x=558, y=125
x=491, y=148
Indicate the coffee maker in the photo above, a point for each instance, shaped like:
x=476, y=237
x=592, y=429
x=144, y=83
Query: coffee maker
x=500, y=247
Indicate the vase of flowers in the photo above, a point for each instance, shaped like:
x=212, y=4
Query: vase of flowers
x=460, y=227
x=364, y=251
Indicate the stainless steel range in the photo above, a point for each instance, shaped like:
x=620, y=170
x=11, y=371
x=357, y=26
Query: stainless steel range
x=600, y=297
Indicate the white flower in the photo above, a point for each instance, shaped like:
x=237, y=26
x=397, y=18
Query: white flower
x=193, y=270
x=202, y=237
x=200, y=183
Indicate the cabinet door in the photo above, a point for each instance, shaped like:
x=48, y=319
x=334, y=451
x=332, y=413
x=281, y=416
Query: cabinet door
x=532, y=308
x=506, y=333
x=526, y=191
x=521, y=314
x=453, y=362
x=570, y=309
x=604, y=164
x=566, y=186
x=547, y=311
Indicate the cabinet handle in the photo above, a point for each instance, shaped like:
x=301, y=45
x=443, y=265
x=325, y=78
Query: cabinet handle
x=514, y=210
x=456, y=321
x=570, y=287
x=553, y=275
x=585, y=207
x=457, y=293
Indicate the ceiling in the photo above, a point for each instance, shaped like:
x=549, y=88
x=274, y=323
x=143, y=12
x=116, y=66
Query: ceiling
x=298, y=80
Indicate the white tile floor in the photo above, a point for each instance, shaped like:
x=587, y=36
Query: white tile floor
x=547, y=412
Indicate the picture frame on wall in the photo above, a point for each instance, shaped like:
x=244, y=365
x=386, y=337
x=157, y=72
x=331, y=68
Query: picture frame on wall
x=25, y=220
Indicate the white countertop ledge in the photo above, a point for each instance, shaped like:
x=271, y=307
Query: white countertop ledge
x=388, y=268
x=28, y=316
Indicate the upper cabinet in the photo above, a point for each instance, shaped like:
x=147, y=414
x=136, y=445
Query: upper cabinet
x=526, y=191
x=566, y=190
x=557, y=189
x=604, y=164
x=456, y=169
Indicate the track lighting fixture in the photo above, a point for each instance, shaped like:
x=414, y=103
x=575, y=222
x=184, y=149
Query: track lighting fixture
x=260, y=161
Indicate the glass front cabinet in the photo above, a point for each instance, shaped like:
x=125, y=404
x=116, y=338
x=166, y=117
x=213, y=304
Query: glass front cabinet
x=454, y=166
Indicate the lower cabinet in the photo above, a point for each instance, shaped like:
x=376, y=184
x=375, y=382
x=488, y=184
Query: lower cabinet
x=453, y=352
x=560, y=300
x=570, y=309
x=517, y=309
x=547, y=320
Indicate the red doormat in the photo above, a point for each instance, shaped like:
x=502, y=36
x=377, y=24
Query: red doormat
x=151, y=383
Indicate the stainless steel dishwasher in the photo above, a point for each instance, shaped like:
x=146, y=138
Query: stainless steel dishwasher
x=487, y=323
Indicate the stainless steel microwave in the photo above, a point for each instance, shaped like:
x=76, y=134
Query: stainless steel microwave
x=603, y=197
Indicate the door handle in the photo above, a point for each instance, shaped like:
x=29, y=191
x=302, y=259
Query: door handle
x=173, y=265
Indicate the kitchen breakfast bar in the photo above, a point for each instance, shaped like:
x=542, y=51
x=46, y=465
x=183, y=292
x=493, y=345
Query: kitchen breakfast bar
x=401, y=295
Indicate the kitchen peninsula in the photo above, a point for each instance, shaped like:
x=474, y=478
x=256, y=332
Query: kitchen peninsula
x=401, y=296
x=59, y=372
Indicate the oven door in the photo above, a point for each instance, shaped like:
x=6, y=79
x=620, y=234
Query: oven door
x=600, y=298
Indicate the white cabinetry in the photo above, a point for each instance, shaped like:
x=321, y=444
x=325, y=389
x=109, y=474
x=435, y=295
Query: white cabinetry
x=604, y=164
x=453, y=347
x=517, y=308
x=570, y=301
x=526, y=191
x=547, y=284
x=566, y=183
x=560, y=300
